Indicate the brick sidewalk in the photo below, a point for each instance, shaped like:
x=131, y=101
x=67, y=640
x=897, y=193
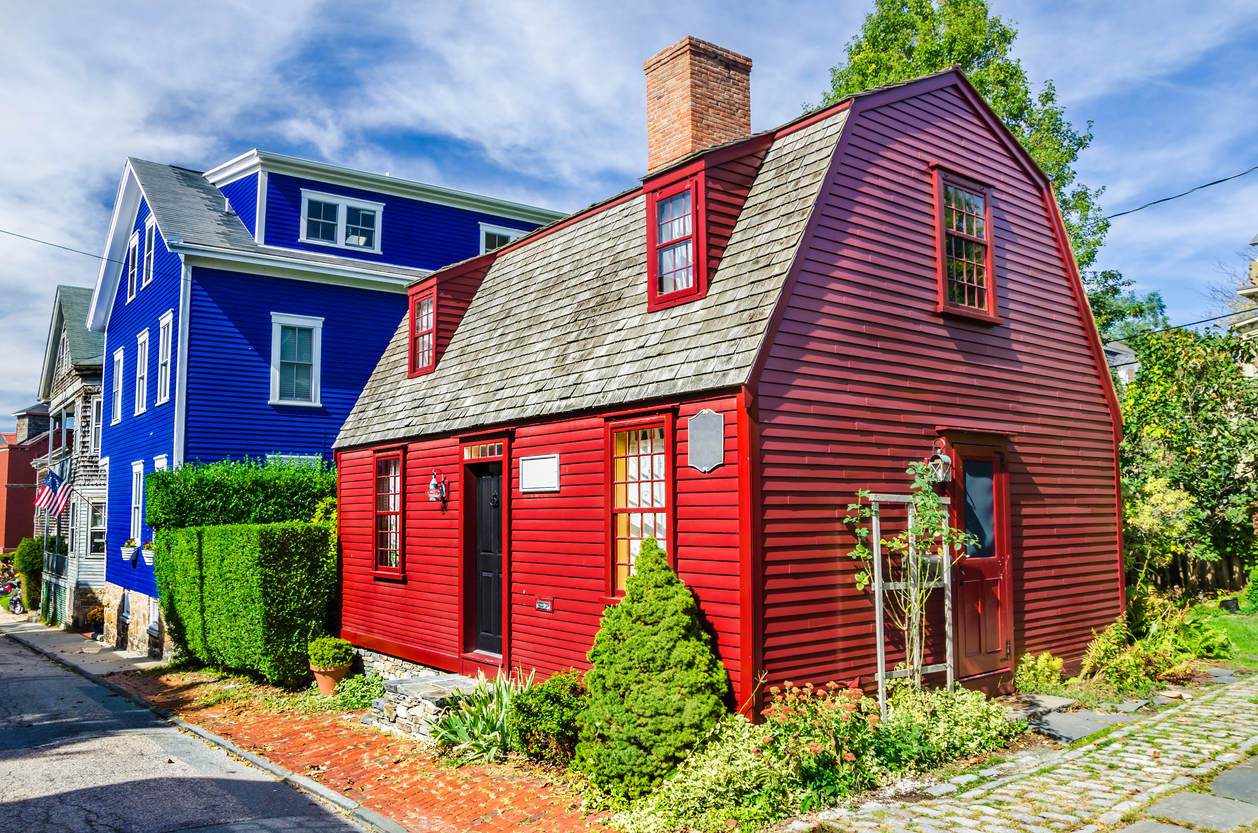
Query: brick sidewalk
x=392, y=775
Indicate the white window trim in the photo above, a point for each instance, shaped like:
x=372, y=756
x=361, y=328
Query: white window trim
x=137, y=509
x=115, y=400
x=165, y=337
x=295, y=458
x=511, y=233
x=150, y=244
x=98, y=418
x=155, y=614
x=133, y=252
x=280, y=319
x=141, y=372
x=160, y=462
x=342, y=203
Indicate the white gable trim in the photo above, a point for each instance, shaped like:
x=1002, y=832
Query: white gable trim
x=126, y=204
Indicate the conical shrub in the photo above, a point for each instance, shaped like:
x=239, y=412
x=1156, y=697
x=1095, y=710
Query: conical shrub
x=656, y=685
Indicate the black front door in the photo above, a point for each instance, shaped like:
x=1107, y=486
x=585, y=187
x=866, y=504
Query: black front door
x=489, y=559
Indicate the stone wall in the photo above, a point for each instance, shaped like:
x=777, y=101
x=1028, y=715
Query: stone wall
x=392, y=668
x=132, y=634
x=411, y=705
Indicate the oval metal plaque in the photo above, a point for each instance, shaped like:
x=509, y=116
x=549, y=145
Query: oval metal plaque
x=706, y=435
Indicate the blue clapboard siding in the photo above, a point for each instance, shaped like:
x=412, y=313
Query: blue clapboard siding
x=229, y=362
x=143, y=437
x=243, y=194
x=412, y=233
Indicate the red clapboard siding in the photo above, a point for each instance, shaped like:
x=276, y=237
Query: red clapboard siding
x=555, y=542
x=862, y=369
x=726, y=186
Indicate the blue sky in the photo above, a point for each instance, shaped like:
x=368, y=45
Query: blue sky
x=544, y=102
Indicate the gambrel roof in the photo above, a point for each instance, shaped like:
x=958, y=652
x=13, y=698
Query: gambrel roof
x=560, y=322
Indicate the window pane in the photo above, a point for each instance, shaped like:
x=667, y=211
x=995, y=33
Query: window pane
x=674, y=218
x=676, y=269
x=360, y=228
x=321, y=221
x=301, y=388
x=980, y=508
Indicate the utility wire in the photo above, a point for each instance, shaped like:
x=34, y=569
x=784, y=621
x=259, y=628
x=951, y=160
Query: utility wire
x=1177, y=196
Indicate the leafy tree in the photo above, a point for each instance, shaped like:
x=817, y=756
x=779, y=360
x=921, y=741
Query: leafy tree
x=1189, y=446
x=656, y=685
x=1120, y=313
x=903, y=39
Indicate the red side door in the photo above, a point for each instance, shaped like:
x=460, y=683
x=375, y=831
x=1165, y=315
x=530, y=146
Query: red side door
x=984, y=613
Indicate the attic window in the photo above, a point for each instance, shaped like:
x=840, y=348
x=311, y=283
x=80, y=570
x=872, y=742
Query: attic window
x=149, y=241
x=133, y=256
x=495, y=237
x=332, y=220
x=675, y=264
x=966, y=277
x=423, y=332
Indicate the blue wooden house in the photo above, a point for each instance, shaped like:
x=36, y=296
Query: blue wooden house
x=244, y=309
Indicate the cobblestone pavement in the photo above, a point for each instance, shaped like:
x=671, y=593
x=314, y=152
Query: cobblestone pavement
x=393, y=775
x=1089, y=788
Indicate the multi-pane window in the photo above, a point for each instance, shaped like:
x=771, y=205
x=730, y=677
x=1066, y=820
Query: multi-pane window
x=360, y=228
x=72, y=546
x=98, y=415
x=425, y=335
x=141, y=371
x=133, y=256
x=163, y=358
x=296, y=363
x=321, y=220
x=137, y=501
x=115, y=410
x=493, y=237
x=63, y=354
x=966, y=282
x=639, y=496
x=389, y=513
x=149, y=235
x=96, y=531
x=675, y=243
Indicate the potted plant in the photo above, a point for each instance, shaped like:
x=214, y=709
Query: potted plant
x=147, y=552
x=330, y=660
x=96, y=619
x=128, y=549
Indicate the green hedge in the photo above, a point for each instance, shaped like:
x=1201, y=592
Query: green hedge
x=229, y=492
x=248, y=596
x=28, y=562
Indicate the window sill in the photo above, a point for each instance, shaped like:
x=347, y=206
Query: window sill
x=392, y=578
x=154, y=632
x=970, y=315
x=292, y=403
x=161, y=402
x=141, y=413
x=673, y=299
x=328, y=245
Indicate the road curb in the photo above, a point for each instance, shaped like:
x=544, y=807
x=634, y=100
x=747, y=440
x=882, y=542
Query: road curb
x=363, y=815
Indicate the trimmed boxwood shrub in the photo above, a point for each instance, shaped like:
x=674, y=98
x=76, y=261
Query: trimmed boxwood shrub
x=544, y=718
x=656, y=685
x=28, y=562
x=330, y=652
x=233, y=492
x=248, y=596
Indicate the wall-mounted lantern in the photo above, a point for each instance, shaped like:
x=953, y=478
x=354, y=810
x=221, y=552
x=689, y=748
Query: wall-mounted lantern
x=437, y=488
x=940, y=463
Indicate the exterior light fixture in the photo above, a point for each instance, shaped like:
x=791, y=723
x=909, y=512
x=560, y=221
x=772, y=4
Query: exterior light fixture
x=940, y=463
x=437, y=488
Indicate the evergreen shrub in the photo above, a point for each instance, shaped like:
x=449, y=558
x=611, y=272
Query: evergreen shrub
x=330, y=652
x=234, y=492
x=544, y=718
x=28, y=562
x=248, y=596
x=656, y=685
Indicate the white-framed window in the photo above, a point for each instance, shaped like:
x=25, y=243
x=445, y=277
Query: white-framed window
x=163, y=356
x=73, y=544
x=133, y=256
x=296, y=350
x=137, y=500
x=331, y=220
x=154, y=615
x=160, y=462
x=149, y=237
x=96, y=529
x=98, y=416
x=141, y=372
x=491, y=236
x=115, y=407
x=63, y=354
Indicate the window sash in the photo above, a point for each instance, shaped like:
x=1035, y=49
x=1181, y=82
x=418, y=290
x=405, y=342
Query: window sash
x=116, y=405
x=163, y=362
x=137, y=503
x=640, y=495
x=133, y=254
x=388, y=513
x=425, y=334
x=322, y=220
x=96, y=531
x=965, y=273
x=98, y=413
x=141, y=375
x=360, y=227
x=296, y=363
x=148, y=254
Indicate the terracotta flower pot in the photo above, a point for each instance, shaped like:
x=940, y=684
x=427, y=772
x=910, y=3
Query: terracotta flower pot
x=327, y=678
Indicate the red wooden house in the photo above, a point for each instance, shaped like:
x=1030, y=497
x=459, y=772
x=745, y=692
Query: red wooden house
x=721, y=358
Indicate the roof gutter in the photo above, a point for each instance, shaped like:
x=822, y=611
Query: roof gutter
x=280, y=266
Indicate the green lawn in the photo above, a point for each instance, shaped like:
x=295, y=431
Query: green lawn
x=1243, y=630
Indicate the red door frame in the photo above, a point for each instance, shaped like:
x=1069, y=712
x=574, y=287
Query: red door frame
x=973, y=447
x=471, y=660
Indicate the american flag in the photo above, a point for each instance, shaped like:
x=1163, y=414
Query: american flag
x=48, y=493
x=54, y=495
x=62, y=495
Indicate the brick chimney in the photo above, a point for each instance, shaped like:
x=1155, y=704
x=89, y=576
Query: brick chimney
x=697, y=95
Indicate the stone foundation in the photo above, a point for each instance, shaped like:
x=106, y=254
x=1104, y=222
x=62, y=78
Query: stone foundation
x=411, y=705
x=392, y=668
x=85, y=598
x=133, y=633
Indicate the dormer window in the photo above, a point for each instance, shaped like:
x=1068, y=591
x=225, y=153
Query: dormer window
x=966, y=275
x=331, y=220
x=675, y=265
x=423, y=332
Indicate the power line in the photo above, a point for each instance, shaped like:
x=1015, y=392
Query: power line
x=1168, y=329
x=1175, y=197
x=57, y=246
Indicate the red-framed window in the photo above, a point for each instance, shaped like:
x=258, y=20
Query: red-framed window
x=967, y=280
x=641, y=488
x=388, y=513
x=423, y=332
x=676, y=251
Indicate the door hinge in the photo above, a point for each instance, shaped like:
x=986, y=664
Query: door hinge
x=1008, y=650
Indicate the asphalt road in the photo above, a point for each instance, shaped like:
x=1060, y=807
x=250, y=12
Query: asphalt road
x=76, y=757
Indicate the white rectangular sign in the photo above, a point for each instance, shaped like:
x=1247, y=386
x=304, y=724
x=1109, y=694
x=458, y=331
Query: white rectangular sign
x=539, y=474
